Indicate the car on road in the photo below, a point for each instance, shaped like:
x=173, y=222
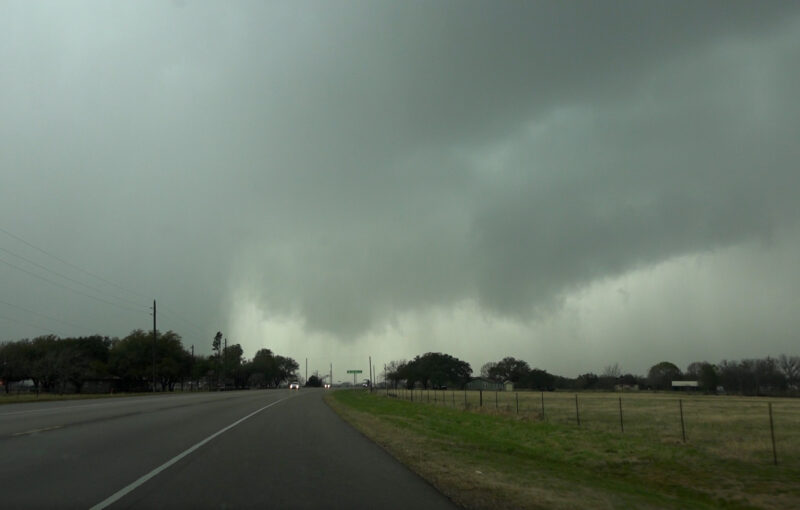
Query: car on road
x=294, y=385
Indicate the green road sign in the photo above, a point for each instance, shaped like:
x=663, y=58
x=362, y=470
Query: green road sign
x=354, y=371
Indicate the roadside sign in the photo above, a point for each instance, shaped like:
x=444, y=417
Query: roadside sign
x=354, y=371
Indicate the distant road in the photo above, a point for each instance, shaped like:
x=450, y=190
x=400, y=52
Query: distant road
x=250, y=449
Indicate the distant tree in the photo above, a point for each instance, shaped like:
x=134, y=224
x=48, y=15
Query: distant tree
x=234, y=365
x=131, y=360
x=539, y=380
x=173, y=361
x=768, y=377
x=509, y=369
x=436, y=369
x=631, y=380
x=216, y=344
x=790, y=367
x=285, y=369
x=46, y=366
x=393, y=372
x=661, y=375
x=612, y=371
x=486, y=369
x=587, y=381
x=314, y=381
x=16, y=362
x=705, y=374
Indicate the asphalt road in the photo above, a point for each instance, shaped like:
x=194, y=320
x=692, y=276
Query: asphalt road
x=250, y=449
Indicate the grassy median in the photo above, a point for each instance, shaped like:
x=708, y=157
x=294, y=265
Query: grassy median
x=490, y=460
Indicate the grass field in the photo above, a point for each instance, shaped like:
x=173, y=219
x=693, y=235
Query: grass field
x=492, y=457
x=738, y=427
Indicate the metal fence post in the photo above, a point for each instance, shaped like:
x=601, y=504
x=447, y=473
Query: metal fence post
x=542, y=405
x=772, y=433
x=577, y=414
x=480, y=394
x=621, y=426
x=683, y=427
x=516, y=397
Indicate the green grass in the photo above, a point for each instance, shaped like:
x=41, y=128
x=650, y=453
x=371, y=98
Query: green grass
x=494, y=458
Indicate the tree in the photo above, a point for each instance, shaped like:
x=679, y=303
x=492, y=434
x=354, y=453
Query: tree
x=486, y=369
x=509, y=369
x=314, y=381
x=705, y=374
x=173, y=361
x=216, y=344
x=436, y=369
x=662, y=374
x=233, y=367
x=131, y=360
x=539, y=380
x=790, y=366
x=612, y=371
x=587, y=381
x=393, y=372
x=16, y=362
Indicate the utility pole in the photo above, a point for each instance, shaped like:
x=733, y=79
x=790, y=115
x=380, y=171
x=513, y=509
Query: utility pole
x=224, y=364
x=331, y=375
x=192, y=373
x=306, y=370
x=370, y=373
x=154, y=346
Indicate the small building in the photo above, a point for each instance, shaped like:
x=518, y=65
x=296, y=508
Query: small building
x=482, y=383
x=508, y=385
x=684, y=385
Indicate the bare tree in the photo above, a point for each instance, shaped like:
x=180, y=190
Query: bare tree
x=612, y=371
x=790, y=366
x=486, y=369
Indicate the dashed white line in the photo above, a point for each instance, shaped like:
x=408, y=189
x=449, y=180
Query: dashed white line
x=125, y=490
x=34, y=431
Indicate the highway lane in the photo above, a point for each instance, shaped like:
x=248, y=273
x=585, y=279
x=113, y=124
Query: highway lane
x=290, y=451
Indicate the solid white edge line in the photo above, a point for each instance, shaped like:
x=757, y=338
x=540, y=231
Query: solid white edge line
x=125, y=490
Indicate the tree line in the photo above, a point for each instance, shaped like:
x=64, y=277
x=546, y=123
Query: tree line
x=135, y=363
x=765, y=376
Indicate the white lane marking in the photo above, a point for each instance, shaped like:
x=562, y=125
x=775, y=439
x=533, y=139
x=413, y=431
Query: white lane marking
x=125, y=490
x=34, y=431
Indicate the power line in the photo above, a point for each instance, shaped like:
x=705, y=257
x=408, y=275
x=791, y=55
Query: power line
x=70, y=289
x=23, y=241
x=28, y=324
x=200, y=330
x=171, y=313
x=68, y=278
x=43, y=315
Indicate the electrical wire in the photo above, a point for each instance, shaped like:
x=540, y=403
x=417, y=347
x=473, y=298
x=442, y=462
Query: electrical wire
x=43, y=315
x=2, y=317
x=40, y=277
x=99, y=291
x=170, y=312
x=23, y=241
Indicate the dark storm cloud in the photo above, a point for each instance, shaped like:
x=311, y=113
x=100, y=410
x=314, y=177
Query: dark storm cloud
x=348, y=162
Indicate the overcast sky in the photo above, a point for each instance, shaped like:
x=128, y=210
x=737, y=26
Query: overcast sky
x=570, y=183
